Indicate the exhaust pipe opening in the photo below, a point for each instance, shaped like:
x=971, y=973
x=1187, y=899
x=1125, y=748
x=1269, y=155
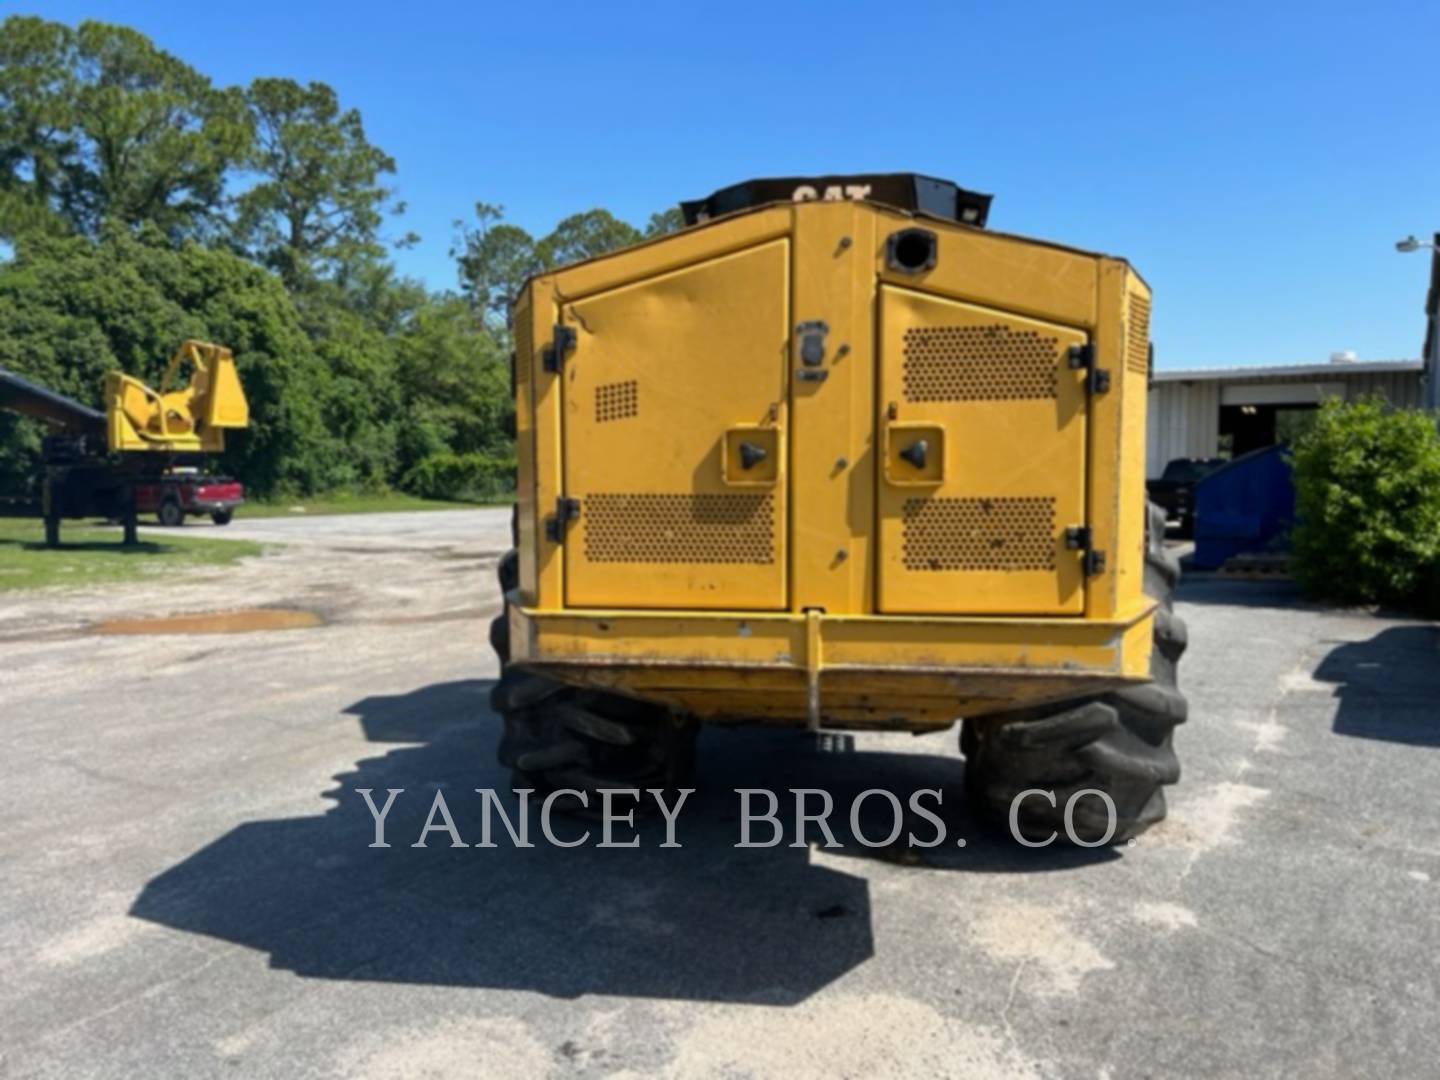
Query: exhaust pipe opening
x=911, y=251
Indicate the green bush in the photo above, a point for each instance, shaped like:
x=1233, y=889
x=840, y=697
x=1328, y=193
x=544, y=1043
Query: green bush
x=477, y=477
x=1367, y=501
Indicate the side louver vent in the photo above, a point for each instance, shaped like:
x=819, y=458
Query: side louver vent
x=979, y=534
x=664, y=528
x=1137, y=336
x=979, y=363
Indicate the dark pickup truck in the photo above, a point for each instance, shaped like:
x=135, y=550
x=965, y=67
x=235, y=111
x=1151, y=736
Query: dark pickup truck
x=1174, y=491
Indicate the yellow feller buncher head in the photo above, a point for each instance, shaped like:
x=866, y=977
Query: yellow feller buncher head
x=189, y=417
x=837, y=456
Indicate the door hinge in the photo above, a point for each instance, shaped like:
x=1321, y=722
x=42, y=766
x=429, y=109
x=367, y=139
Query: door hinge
x=1097, y=379
x=1079, y=538
x=566, y=511
x=553, y=355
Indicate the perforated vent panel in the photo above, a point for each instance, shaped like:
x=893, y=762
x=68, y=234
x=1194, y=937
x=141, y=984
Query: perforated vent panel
x=978, y=363
x=680, y=528
x=979, y=534
x=1137, y=336
x=617, y=401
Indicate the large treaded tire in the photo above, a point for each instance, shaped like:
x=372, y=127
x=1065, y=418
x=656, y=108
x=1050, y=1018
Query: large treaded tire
x=507, y=571
x=1118, y=743
x=558, y=736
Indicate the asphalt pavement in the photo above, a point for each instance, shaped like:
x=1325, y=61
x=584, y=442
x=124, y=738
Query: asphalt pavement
x=186, y=886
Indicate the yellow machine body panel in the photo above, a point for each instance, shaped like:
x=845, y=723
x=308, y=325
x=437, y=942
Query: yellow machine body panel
x=982, y=425
x=674, y=398
x=192, y=417
x=720, y=506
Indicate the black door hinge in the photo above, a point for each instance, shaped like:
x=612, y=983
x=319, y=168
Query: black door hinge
x=553, y=355
x=566, y=511
x=1080, y=538
x=1097, y=379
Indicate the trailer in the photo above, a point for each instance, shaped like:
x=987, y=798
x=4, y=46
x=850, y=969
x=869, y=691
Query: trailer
x=108, y=464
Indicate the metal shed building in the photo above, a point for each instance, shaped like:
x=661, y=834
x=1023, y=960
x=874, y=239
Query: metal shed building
x=1204, y=412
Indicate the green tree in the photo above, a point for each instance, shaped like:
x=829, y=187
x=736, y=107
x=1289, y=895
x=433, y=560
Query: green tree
x=37, y=141
x=319, y=202
x=1367, y=502
x=495, y=258
x=361, y=407
x=157, y=138
x=664, y=222
x=584, y=236
x=455, y=384
x=102, y=126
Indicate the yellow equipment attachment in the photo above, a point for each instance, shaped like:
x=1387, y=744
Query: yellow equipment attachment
x=189, y=418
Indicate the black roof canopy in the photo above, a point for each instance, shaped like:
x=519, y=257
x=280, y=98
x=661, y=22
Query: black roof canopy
x=904, y=191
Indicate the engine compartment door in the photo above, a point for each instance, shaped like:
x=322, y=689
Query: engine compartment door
x=674, y=406
x=981, y=444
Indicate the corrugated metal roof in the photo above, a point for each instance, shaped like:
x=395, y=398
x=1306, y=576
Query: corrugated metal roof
x=1333, y=370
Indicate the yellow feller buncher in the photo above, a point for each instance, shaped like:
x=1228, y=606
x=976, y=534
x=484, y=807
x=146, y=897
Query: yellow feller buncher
x=837, y=456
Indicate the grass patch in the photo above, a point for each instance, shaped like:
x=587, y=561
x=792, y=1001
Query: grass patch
x=343, y=503
x=91, y=554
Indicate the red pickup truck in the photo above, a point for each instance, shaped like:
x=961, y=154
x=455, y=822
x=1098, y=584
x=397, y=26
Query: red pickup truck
x=176, y=495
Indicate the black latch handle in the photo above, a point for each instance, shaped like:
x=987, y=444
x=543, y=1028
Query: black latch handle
x=566, y=511
x=751, y=455
x=916, y=453
x=552, y=356
x=1081, y=538
x=1083, y=358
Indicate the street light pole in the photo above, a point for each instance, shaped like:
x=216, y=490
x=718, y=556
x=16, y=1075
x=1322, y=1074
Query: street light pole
x=1430, y=383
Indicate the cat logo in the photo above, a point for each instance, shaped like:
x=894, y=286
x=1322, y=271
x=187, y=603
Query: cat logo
x=833, y=193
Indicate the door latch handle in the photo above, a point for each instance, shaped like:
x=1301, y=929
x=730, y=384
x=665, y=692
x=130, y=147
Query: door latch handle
x=812, y=342
x=751, y=455
x=915, y=453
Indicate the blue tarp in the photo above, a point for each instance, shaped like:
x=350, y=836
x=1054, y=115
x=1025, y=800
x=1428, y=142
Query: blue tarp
x=1245, y=506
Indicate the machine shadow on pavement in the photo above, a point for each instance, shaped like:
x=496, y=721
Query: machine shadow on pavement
x=1388, y=687
x=705, y=921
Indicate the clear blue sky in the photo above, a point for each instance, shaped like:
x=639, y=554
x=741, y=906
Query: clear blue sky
x=1256, y=162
